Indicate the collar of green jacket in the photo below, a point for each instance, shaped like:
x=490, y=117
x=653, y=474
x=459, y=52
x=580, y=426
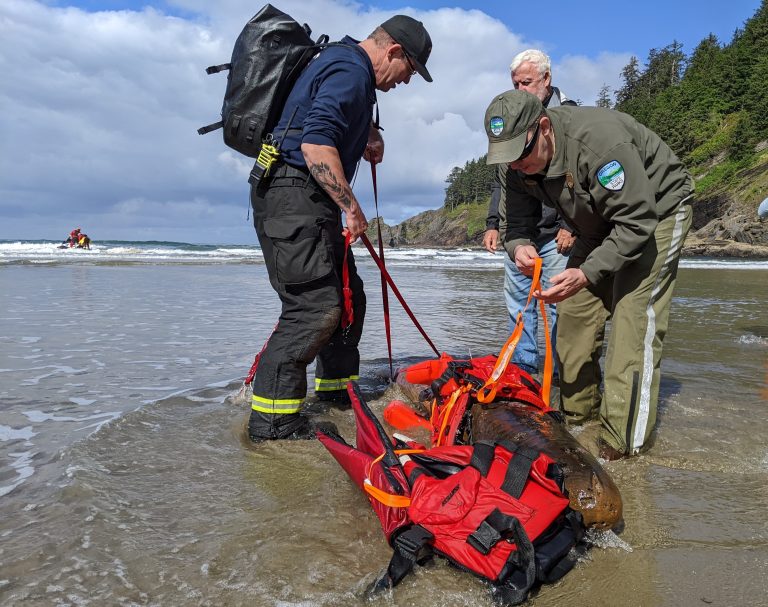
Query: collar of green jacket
x=558, y=166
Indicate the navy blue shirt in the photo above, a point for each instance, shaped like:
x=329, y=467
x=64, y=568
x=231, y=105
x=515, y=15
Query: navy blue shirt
x=333, y=98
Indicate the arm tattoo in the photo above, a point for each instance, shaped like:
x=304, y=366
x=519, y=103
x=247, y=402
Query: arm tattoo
x=329, y=181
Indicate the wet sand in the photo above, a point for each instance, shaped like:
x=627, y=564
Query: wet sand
x=142, y=496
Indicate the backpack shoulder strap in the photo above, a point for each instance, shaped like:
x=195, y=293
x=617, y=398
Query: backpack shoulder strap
x=215, y=69
x=210, y=127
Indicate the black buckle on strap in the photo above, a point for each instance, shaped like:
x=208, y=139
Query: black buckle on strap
x=485, y=537
x=411, y=542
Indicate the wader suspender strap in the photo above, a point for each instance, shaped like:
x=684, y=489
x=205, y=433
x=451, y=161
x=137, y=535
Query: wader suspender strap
x=487, y=393
x=396, y=291
x=384, y=292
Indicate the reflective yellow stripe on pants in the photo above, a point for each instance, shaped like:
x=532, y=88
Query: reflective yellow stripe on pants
x=332, y=385
x=282, y=406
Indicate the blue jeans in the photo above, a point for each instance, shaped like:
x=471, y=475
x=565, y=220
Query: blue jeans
x=516, y=288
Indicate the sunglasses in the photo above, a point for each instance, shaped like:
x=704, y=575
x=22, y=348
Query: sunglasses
x=531, y=144
x=410, y=64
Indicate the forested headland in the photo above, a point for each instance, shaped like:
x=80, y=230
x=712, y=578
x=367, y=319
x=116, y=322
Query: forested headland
x=710, y=106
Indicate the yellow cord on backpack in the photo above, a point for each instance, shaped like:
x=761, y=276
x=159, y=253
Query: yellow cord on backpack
x=268, y=154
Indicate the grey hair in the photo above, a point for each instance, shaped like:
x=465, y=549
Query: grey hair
x=538, y=58
x=381, y=37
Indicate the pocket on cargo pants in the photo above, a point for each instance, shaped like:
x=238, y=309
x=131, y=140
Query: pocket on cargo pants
x=299, y=248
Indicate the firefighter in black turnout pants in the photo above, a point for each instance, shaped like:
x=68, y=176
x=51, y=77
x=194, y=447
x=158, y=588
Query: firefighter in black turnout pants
x=297, y=214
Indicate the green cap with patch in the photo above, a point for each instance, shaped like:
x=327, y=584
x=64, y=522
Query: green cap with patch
x=507, y=120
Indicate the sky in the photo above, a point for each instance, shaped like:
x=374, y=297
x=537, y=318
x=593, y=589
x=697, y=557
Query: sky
x=101, y=101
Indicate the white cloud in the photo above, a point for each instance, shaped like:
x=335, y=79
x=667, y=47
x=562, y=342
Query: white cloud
x=99, y=113
x=583, y=77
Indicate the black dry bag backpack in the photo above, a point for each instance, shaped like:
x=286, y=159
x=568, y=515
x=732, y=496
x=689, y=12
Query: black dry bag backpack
x=268, y=57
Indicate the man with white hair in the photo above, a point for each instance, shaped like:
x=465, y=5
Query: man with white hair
x=531, y=71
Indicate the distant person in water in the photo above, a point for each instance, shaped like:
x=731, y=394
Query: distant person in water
x=77, y=239
x=74, y=238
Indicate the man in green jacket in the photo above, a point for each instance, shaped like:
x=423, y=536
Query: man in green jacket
x=627, y=197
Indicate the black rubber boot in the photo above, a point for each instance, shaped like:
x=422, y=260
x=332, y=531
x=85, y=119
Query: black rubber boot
x=338, y=399
x=291, y=426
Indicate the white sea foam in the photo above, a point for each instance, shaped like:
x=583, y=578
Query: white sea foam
x=22, y=463
x=171, y=252
x=7, y=433
x=607, y=539
x=81, y=401
x=56, y=370
x=730, y=264
x=36, y=252
x=103, y=419
x=752, y=339
x=37, y=417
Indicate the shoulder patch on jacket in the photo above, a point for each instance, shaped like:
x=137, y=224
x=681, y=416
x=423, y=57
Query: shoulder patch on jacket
x=611, y=176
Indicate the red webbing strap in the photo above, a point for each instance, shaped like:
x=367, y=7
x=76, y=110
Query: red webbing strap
x=347, y=312
x=396, y=291
x=384, y=292
x=487, y=393
x=252, y=371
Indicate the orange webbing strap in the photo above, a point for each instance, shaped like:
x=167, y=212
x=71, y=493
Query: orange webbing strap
x=487, y=393
x=546, y=376
x=388, y=499
x=446, y=414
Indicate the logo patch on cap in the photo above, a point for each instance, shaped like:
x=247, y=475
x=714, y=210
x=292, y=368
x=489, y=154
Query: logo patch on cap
x=611, y=176
x=496, y=125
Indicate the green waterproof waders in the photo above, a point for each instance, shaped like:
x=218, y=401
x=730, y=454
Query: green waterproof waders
x=637, y=300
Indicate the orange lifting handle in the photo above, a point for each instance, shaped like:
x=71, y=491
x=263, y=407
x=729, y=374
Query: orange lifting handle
x=487, y=393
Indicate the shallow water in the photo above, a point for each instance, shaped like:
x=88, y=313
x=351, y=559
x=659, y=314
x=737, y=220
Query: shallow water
x=125, y=478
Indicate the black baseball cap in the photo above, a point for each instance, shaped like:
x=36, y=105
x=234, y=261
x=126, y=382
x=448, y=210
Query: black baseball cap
x=413, y=37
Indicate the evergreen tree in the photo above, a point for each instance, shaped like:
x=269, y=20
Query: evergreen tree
x=740, y=144
x=470, y=184
x=713, y=104
x=631, y=76
x=604, y=97
x=756, y=101
x=451, y=193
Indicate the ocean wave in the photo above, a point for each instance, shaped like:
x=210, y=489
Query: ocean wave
x=47, y=252
x=115, y=252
